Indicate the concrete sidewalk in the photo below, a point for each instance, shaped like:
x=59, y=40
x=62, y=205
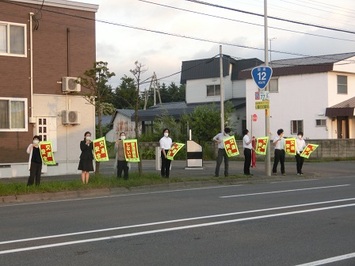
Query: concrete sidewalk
x=311, y=170
x=179, y=170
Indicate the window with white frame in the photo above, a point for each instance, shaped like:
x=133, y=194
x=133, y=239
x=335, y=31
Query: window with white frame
x=46, y=128
x=213, y=90
x=13, y=114
x=296, y=126
x=12, y=39
x=42, y=128
x=321, y=122
x=342, y=82
x=274, y=85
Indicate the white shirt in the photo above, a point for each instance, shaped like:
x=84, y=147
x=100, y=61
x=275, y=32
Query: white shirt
x=280, y=145
x=246, y=139
x=219, y=138
x=165, y=143
x=300, y=145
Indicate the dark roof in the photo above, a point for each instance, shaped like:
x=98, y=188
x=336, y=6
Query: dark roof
x=105, y=120
x=345, y=108
x=174, y=109
x=177, y=109
x=303, y=65
x=209, y=67
x=125, y=112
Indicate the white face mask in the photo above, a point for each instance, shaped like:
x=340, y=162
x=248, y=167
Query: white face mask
x=35, y=141
x=88, y=138
x=166, y=134
x=123, y=137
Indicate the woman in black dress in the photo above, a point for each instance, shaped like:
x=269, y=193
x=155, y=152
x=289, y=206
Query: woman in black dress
x=35, y=162
x=86, y=157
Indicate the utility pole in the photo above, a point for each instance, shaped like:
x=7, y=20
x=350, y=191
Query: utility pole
x=154, y=86
x=267, y=111
x=221, y=86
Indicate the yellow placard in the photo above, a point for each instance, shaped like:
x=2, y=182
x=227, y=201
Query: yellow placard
x=100, y=150
x=261, y=145
x=262, y=105
x=174, y=150
x=130, y=147
x=230, y=145
x=46, y=152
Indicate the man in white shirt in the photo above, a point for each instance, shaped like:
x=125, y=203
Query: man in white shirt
x=165, y=144
x=247, y=147
x=300, y=145
x=222, y=154
x=279, y=155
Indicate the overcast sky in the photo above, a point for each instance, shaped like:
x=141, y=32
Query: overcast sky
x=241, y=34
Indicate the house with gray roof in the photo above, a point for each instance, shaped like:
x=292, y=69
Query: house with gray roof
x=121, y=122
x=202, y=80
x=312, y=94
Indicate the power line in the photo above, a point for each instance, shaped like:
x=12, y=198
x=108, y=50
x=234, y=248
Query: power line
x=272, y=17
x=245, y=22
x=169, y=34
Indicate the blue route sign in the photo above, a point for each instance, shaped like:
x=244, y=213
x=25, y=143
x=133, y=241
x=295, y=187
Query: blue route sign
x=261, y=75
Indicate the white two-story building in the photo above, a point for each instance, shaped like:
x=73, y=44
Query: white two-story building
x=311, y=94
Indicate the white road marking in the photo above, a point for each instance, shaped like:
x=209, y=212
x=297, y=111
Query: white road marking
x=329, y=260
x=115, y=196
x=282, y=191
x=173, y=228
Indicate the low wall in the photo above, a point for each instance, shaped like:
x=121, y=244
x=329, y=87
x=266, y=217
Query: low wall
x=327, y=149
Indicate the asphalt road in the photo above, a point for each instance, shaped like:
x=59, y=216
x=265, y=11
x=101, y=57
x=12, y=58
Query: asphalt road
x=280, y=222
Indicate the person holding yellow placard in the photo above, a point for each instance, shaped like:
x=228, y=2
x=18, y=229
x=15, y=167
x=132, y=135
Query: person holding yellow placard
x=34, y=162
x=222, y=154
x=247, y=146
x=279, y=154
x=300, y=145
x=122, y=164
x=165, y=144
x=86, y=157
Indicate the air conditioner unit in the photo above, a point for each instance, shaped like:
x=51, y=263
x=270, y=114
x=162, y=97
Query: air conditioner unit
x=70, y=117
x=71, y=84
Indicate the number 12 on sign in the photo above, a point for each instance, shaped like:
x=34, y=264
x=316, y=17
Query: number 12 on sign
x=261, y=76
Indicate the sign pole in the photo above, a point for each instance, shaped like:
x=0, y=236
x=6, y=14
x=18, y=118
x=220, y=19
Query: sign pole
x=267, y=111
x=221, y=86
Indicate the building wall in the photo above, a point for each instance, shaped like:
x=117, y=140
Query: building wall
x=239, y=89
x=300, y=97
x=63, y=45
x=121, y=123
x=196, y=90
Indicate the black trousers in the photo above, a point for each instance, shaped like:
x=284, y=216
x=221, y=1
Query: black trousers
x=122, y=166
x=165, y=165
x=247, y=161
x=35, y=174
x=279, y=156
x=299, y=163
x=222, y=154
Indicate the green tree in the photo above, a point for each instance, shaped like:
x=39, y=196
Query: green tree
x=137, y=73
x=98, y=93
x=126, y=93
x=205, y=121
